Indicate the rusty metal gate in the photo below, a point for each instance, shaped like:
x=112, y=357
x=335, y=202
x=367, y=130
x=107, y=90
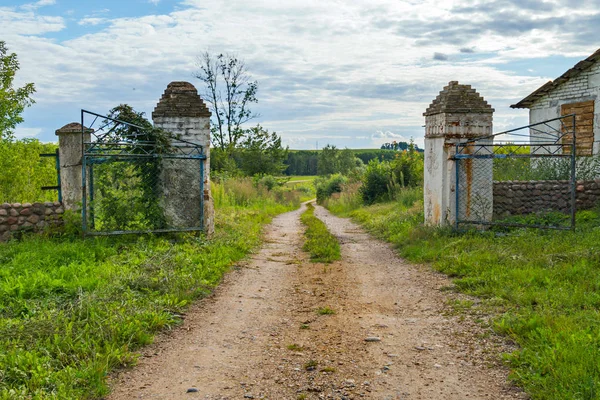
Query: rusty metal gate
x=523, y=177
x=134, y=184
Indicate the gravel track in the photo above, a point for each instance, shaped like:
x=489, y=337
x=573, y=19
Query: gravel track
x=392, y=335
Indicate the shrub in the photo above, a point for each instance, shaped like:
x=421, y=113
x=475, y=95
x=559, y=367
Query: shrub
x=408, y=168
x=270, y=182
x=327, y=186
x=377, y=180
x=349, y=199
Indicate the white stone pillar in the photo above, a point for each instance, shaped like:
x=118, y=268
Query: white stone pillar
x=182, y=112
x=70, y=152
x=458, y=114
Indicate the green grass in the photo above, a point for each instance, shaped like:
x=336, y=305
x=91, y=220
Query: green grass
x=325, y=311
x=320, y=243
x=543, y=285
x=302, y=184
x=300, y=178
x=72, y=310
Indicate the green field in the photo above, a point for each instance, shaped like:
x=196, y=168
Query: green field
x=301, y=178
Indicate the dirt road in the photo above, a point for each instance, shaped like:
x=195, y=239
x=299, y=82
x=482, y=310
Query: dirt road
x=260, y=335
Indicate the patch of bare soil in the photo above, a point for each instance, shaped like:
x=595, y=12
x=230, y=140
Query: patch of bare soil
x=279, y=327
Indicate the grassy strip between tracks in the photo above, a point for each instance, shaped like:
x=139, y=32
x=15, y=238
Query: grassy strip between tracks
x=320, y=243
x=542, y=287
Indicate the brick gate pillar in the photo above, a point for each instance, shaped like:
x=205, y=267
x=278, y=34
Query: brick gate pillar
x=182, y=112
x=456, y=115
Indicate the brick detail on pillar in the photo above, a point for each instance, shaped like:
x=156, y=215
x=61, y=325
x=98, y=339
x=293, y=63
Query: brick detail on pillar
x=457, y=114
x=182, y=112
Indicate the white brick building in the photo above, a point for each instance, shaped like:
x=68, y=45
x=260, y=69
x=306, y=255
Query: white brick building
x=576, y=91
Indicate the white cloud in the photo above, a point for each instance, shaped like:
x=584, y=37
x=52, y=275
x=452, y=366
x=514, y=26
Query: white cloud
x=16, y=23
x=387, y=135
x=339, y=69
x=92, y=21
x=38, y=4
x=155, y=2
x=22, y=133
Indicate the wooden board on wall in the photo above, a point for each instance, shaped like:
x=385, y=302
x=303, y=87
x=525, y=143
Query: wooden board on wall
x=584, y=122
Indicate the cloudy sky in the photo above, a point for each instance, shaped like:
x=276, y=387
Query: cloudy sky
x=354, y=73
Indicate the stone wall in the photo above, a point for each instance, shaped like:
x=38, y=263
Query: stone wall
x=525, y=197
x=16, y=218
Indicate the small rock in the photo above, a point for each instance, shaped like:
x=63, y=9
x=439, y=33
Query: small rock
x=248, y=396
x=437, y=365
x=372, y=339
x=192, y=390
x=420, y=348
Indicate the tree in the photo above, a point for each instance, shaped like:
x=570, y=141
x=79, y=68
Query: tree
x=333, y=160
x=229, y=93
x=12, y=101
x=347, y=161
x=328, y=162
x=262, y=153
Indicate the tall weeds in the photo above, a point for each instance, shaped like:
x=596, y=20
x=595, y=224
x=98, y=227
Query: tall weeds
x=245, y=192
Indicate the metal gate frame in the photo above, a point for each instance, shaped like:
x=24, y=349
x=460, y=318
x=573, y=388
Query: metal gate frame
x=58, y=187
x=550, y=144
x=105, y=146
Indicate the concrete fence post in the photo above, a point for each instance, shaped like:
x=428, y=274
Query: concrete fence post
x=182, y=112
x=456, y=115
x=70, y=146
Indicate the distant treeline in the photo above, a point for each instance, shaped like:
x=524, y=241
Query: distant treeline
x=304, y=162
x=400, y=146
